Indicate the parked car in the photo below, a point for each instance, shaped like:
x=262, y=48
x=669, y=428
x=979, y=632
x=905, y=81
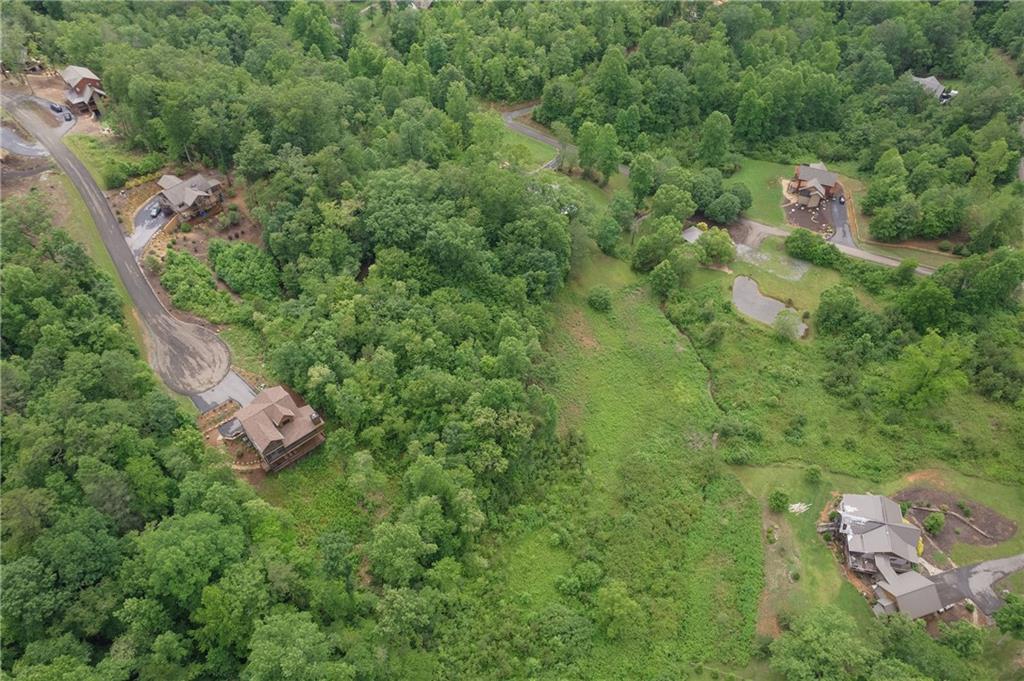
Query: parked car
x=154, y=212
x=57, y=108
x=842, y=199
x=68, y=116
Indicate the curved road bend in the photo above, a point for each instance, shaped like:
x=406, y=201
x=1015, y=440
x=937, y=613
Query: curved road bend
x=511, y=120
x=189, y=358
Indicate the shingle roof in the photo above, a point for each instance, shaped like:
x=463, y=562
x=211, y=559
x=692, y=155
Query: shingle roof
x=73, y=74
x=184, y=193
x=273, y=417
x=813, y=172
x=168, y=181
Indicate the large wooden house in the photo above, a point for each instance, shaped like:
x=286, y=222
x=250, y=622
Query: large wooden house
x=197, y=196
x=280, y=429
x=83, y=89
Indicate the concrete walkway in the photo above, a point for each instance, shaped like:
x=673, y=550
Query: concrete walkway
x=231, y=387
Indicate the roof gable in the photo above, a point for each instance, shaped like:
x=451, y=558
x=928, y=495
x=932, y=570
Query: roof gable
x=73, y=74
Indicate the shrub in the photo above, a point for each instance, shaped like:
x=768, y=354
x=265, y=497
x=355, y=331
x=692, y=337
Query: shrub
x=600, y=299
x=945, y=246
x=153, y=264
x=713, y=334
x=934, y=523
x=245, y=268
x=192, y=288
x=806, y=245
x=794, y=576
x=812, y=474
x=827, y=536
x=965, y=510
x=786, y=326
x=664, y=279
x=185, y=228
x=778, y=501
x=606, y=233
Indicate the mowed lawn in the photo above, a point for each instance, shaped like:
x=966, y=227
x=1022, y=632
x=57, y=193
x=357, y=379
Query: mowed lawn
x=762, y=178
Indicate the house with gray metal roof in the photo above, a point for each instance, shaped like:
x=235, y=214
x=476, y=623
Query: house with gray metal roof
x=935, y=87
x=909, y=593
x=871, y=526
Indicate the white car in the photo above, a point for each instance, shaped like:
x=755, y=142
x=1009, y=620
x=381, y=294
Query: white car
x=154, y=212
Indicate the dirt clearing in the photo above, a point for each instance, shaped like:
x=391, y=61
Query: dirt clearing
x=999, y=527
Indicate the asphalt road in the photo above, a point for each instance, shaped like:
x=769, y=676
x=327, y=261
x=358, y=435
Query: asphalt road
x=189, y=358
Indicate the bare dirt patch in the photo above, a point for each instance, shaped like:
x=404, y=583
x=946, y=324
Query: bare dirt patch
x=45, y=182
x=50, y=85
x=997, y=526
x=126, y=202
x=781, y=556
x=18, y=173
x=581, y=332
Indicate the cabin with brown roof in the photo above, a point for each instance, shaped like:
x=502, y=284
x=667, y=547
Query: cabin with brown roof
x=197, y=196
x=83, y=89
x=813, y=184
x=280, y=429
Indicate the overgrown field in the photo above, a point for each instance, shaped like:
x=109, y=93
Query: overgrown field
x=109, y=163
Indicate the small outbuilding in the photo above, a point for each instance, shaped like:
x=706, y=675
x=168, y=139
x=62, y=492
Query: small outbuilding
x=935, y=87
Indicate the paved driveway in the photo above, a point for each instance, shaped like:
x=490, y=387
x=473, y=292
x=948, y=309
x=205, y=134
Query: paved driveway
x=841, y=221
x=976, y=581
x=189, y=358
x=144, y=226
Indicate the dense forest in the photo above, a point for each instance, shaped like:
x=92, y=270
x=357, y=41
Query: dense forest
x=404, y=287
